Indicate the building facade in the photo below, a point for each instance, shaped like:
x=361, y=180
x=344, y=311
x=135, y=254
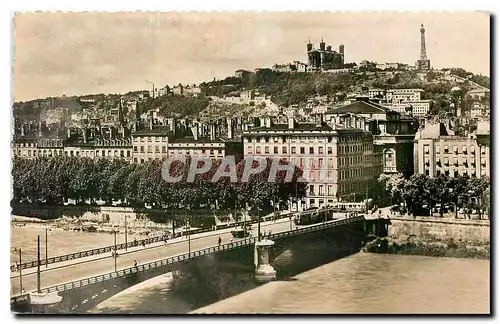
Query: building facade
x=336, y=161
x=438, y=153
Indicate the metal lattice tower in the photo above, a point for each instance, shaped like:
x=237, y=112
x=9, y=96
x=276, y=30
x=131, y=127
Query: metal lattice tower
x=423, y=53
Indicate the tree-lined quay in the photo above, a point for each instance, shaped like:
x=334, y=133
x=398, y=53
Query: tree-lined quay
x=52, y=181
x=421, y=194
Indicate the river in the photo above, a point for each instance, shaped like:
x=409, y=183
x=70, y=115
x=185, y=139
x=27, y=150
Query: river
x=363, y=283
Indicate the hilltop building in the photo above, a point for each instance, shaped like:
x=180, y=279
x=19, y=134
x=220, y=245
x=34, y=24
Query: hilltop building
x=325, y=58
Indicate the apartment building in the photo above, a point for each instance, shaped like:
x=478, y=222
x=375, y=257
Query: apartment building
x=336, y=161
x=404, y=95
x=438, y=152
x=150, y=144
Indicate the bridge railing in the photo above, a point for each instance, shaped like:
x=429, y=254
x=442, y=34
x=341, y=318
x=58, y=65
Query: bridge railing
x=193, y=255
x=121, y=246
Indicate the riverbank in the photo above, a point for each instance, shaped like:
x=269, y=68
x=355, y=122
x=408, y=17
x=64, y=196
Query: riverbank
x=415, y=246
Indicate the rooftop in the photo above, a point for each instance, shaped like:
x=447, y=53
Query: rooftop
x=361, y=107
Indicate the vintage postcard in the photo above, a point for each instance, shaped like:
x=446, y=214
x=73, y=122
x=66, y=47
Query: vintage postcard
x=250, y=163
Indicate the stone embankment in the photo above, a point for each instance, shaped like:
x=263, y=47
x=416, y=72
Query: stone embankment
x=440, y=237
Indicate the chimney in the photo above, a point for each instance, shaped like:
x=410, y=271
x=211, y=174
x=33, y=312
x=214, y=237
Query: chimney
x=291, y=123
x=40, y=129
x=68, y=133
x=150, y=123
x=268, y=122
x=85, y=135
x=319, y=120
x=212, y=132
x=229, y=128
x=194, y=130
x=172, y=124
x=22, y=129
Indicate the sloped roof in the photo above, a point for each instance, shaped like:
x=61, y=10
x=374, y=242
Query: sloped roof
x=361, y=107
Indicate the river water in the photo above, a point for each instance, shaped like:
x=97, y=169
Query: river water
x=363, y=283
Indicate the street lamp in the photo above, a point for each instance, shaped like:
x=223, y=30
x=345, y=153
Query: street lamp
x=114, y=252
x=46, y=248
x=20, y=271
x=258, y=223
x=126, y=244
x=189, y=233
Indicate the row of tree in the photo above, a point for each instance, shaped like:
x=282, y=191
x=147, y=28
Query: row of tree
x=52, y=181
x=420, y=193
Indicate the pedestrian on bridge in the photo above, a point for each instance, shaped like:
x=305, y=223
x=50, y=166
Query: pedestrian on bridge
x=220, y=240
x=135, y=263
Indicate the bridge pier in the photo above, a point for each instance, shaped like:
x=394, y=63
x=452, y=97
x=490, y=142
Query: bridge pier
x=264, y=272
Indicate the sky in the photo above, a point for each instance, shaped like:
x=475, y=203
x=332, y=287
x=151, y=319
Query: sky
x=58, y=54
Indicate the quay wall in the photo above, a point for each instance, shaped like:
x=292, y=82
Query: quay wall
x=441, y=229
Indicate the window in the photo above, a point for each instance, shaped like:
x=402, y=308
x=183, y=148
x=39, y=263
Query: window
x=122, y=153
x=464, y=149
x=150, y=149
x=164, y=149
x=142, y=160
x=320, y=150
x=455, y=161
x=311, y=190
x=446, y=161
x=266, y=149
x=320, y=163
x=438, y=161
x=293, y=150
x=321, y=190
x=128, y=153
x=283, y=149
x=311, y=150
x=426, y=149
x=142, y=149
x=330, y=190
x=427, y=172
x=135, y=148
x=455, y=149
x=330, y=150
x=257, y=150
x=276, y=150
x=446, y=150
x=311, y=175
x=143, y=139
x=472, y=149
x=157, y=149
x=103, y=153
x=157, y=139
x=149, y=139
x=302, y=150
